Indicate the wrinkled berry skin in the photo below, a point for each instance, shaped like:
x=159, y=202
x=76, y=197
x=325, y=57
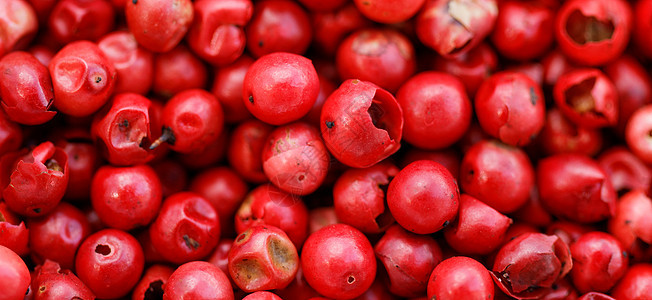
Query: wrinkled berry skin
x=14, y=275
x=460, y=278
x=57, y=236
x=587, y=97
x=159, y=25
x=74, y=20
x=268, y=205
x=13, y=233
x=50, y=281
x=635, y=284
x=338, y=262
x=574, y=187
x=633, y=84
x=599, y=260
x=510, y=107
x=126, y=197
x=83, y=78
x=18, y=23
x=626, y=172
x=361, y=123
x=530, y=264
x=432, y=100
x=486, y=167
x=110, y=263
x=198, y=280
x=187, y=228
x=382, y=56
x=123, y=129
x=423, y=197
x=295, y=158
x=359, y=197
x=280, y=88
x=217, y=34
x=593, y=32
x=524, y=29
x=263, y=258
x=25, y=89
x=38, y=181
x=631, y=224
x=455, y=27
x=408, y=259
x=479, y=229
x=134, y=64
x=560, y=135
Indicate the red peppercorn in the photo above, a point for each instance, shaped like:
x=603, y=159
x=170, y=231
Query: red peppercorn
x=637, y=133
x=245, y=150
x=278, y=26
x=524, y=29
x=134, y=64
x=388, y=11
x=18, y=23
x=560, y=135
x=635, y=284
x=227, y=87
x=159, y=25
x=50, y=281
x=13, y=233
x=460, y=277
x=599, y=260
x=178, y=70
x=472, y=67
x=152, y=283
x=331, y=27
x=626, y=172
x=74, y=20
x=631, y=225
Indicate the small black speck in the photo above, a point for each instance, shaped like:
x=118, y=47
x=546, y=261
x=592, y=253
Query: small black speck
x=446, y=223
x=533, y=96
x=471, y=172
x=98, y=79
x=260, y=43
x=251, y=99
x=134, y=1
x=37, y=210
x=330, y=124
x=628, y=222
x=624, y=253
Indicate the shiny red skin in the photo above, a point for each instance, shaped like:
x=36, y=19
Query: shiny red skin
x=383, y=56
x=361, y=123
x=593, y=32
x=637, y=133
x=448, y=158
x=263, y=258
x=434, y=100
x=567, y=231
x=74, y=20
x=110, y=263
x=134, y=64
x=460, y=277
x=331, y=27
x=599, y=260
x=159, y=25
x=13, y=233
x=11, y=135
x=217, y=34
x=359, y=197
x=57, y=235
x=479, y=229
x=631, y=224
x=268, y=205
x=510, y=106
x=472, y=67
x=560, y=135
x=198, y=280
x=50, y=281
x=530, y=264
x=338, y=262
x=278, y=26
x=33, y=188
x=152, y=283
x=245, y=150
x=126, y=197
x=124, y=128
x=642, y=28
x=178, y=70
x=524, y=29
x=195, y=118
x=595, y=296
x=408, y=259
x=25, y=89
x=225, y=190
x=295, y=158
x=220, y=256
x=625, y=170
x=187, y=228
x=19, y=24
x=574, y=187
x=83, y=78
x=587, y=97
x=262, y=295
x=455, y=29
x=83, y=160
x=14, y=274
x=172, y=174
x=486, y=167
x=635, y=284
x=389, y=11
x=423, y=197
x=280, y=87
x=634, y=87
x=227, y=87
